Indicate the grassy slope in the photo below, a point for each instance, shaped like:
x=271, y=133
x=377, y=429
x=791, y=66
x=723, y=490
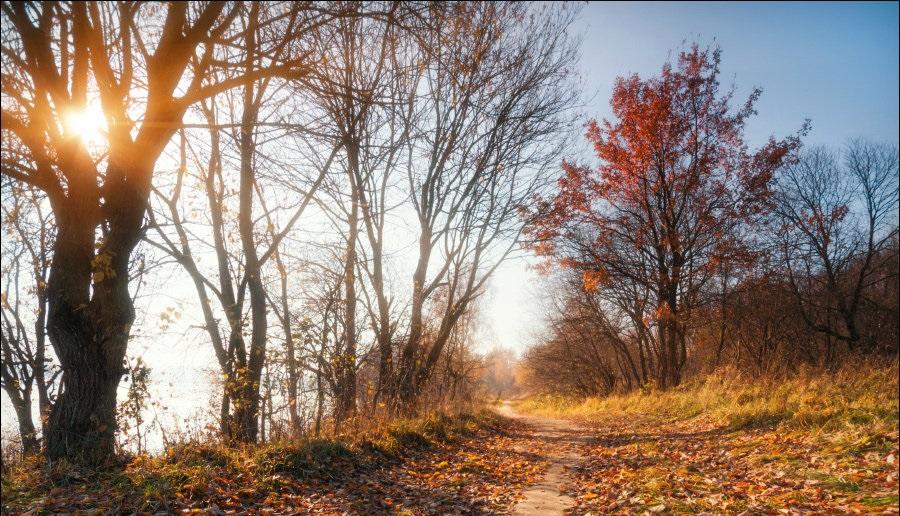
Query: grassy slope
x=434, y=463
x=845, y=405
x=726, y=443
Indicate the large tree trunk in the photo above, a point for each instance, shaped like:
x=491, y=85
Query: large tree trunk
x=90, y=315
x=82, y=422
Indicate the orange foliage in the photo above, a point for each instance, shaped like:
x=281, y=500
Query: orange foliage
x=675, y=179
x=592, y=279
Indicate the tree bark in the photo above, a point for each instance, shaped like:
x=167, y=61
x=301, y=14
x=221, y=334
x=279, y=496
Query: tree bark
x=22, y=406
x=346, y=402
x=90, y=315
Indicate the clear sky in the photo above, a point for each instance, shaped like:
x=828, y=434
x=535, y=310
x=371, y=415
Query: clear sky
x=834, y=63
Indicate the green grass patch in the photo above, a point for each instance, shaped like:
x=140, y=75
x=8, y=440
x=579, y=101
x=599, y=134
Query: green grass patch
x=834, y=483
x=881, y=501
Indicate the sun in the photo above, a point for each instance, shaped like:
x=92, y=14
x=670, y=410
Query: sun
x=88, y=123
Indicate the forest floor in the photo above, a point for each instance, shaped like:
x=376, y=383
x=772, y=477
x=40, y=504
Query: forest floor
x=525, y=464
x=810, y=445
x=644, y=465
x=823, y=444
x=465, y=464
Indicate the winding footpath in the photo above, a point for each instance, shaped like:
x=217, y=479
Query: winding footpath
x=559, y=442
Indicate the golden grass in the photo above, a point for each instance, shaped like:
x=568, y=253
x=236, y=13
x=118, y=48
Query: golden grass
x=859, y=400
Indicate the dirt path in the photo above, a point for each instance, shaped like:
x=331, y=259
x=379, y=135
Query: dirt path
x=559, y=442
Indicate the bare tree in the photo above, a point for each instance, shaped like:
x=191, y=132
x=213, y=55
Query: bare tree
x=838, y=215
x=26, y=262
x=58, y=58
x=493, y=104
x=236, y=272
x=364, y=90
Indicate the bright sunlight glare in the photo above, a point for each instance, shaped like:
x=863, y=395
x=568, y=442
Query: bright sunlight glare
x=88, y=123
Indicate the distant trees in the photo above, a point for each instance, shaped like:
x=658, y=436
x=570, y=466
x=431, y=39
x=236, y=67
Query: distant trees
x=495, y=99
x=499, y=373
x=592, y=346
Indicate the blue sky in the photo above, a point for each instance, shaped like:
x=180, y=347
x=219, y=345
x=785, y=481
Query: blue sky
x=835, y=63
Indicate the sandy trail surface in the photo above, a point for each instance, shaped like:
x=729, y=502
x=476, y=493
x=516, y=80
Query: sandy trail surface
x=559, y=442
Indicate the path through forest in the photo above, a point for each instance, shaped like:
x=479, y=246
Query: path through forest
x=514, y=464
x=559, y=441
x=630, y=464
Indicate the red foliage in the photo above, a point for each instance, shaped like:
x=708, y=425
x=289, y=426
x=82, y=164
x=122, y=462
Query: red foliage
x=675, y=180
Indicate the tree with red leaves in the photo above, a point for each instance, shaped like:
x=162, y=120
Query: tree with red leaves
x=674, y=193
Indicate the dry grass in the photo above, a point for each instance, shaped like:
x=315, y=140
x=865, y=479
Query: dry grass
x=191, y=470
x=851, y=406
x=819, y=442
